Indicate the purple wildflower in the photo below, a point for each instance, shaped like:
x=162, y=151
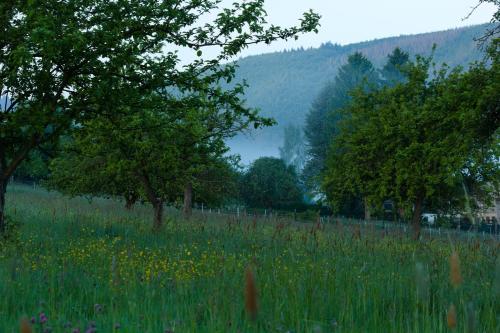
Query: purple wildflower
x=43, y=318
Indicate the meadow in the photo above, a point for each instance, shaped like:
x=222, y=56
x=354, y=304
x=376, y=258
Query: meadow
x=74, y=265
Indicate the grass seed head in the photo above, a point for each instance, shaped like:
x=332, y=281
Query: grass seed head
x=357, y=232
x=451, y=318
x=455, y=275
x=250, y=294
x=25, y=326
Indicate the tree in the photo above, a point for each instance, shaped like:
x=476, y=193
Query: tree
x=33, y=169
x=55, y=56
x=217, y=184
x=115, y=155
x=293, y=150
x=392, y=72
x=321, y=121
x=418, y=141
x=270, y=183
x=153, y=151
x=342, y=189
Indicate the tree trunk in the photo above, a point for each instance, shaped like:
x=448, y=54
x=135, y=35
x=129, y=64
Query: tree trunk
x=130, y=200
x=7, y=170
x=367, y=210
x=158, y=217
x=417, y=212
x=188, y=200
x=3, y=190
x=154, y=199
x=129, y=204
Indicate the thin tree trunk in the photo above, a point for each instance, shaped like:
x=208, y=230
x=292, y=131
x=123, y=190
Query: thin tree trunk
x=7, y=170
x=154, y=199
x=130, y=200
x=3, y=190
x=129, y=204
x=417, y=212
x=367, y=210
x=188, y=200
x=158, y=217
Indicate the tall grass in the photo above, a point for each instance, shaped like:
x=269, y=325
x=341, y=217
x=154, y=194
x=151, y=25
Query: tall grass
x=93, y=266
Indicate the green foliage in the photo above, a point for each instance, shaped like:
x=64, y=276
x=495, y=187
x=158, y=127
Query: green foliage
x=421, y=140
x=321, y=122
x=218, y=182
x=34, y=168
x=393, y=71
x=270, y=183
x=64, y=63
x=149, y=153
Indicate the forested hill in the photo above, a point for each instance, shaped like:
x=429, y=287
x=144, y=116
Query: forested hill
x=284, y=84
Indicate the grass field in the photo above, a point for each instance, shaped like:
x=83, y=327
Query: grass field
x=79, y=266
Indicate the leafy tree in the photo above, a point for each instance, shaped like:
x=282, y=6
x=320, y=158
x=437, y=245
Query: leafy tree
x=270, y=183
x=33, y=169
x=293, y=150
x=212, y=176
x=216, y=184
x=152, y=151
x=418, y=141
x=116, y=155
x=56, y=56
x=392, y=72
x=321, y=122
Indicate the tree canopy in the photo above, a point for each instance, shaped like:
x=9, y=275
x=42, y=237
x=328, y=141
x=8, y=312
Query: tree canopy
x=270, y=183
x=58, y=59
x=393, y=71
x=150, y=153
x=321, y=122
x=417, y=141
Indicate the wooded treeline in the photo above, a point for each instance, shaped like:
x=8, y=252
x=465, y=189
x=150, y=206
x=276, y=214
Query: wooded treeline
x=284, y=84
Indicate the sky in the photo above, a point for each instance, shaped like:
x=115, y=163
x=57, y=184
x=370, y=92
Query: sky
x=346, y=22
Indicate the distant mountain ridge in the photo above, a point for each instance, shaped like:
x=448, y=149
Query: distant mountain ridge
x=284, y=84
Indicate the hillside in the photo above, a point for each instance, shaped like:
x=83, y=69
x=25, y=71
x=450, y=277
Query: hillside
x=284, y=84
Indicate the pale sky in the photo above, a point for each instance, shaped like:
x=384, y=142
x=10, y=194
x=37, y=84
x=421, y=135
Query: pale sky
x=353, y=21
